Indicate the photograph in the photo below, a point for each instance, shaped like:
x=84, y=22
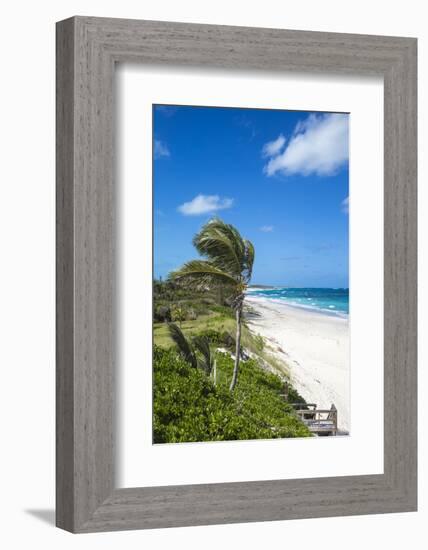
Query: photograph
x=250, y=274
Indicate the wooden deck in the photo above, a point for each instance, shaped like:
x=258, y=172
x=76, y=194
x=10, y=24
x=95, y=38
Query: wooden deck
x=319, y=421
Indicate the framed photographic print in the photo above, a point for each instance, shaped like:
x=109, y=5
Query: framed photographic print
x=236, y=274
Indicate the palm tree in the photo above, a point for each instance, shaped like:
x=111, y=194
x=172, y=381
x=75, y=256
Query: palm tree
x=228, y=264
x=184, y=346
x=206, y=360
x=188, y=349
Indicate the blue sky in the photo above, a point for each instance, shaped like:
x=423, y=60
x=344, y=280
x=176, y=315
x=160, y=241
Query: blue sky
x=281, y=177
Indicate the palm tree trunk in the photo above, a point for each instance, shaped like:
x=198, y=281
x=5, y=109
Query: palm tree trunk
x=238, y=347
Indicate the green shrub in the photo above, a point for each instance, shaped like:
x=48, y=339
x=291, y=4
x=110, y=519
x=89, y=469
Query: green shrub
x=188, y=407
x=178, y=314
x=214, y=336
x=191, y=314
x=224, y=310
x=228, y=340
x=162, y=314
x=219, y=338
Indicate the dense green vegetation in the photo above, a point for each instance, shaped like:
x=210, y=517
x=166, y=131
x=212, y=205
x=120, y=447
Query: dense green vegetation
x=170, y=296
x=206, y=311
x=187, y=404
x=189, y=407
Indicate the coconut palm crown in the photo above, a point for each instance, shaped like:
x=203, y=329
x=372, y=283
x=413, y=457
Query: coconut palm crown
x=227, y=262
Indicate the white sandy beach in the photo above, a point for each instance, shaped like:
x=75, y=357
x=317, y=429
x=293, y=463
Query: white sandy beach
x=315, y=347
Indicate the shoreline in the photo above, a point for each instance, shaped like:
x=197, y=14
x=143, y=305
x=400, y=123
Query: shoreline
x=305, y=307
x=314, y=345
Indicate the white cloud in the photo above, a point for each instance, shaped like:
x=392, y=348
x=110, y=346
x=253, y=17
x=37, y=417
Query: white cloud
x=345, y=205
x=319, y=145
x=273, y=148
x=266, y=228
x=160, y=149
x=204, y=204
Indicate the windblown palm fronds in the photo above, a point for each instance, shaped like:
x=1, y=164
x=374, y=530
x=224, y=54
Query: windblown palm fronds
x=202, y=274
x=206, y=358
x=228, y=263
x=189, y=349
x=183, y=345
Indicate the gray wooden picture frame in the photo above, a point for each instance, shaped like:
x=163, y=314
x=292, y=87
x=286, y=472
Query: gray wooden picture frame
x=87, y=50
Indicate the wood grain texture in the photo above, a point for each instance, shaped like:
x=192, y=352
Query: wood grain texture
x=64, y=276
x=87, y=49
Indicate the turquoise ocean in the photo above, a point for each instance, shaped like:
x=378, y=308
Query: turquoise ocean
x=334, y=301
